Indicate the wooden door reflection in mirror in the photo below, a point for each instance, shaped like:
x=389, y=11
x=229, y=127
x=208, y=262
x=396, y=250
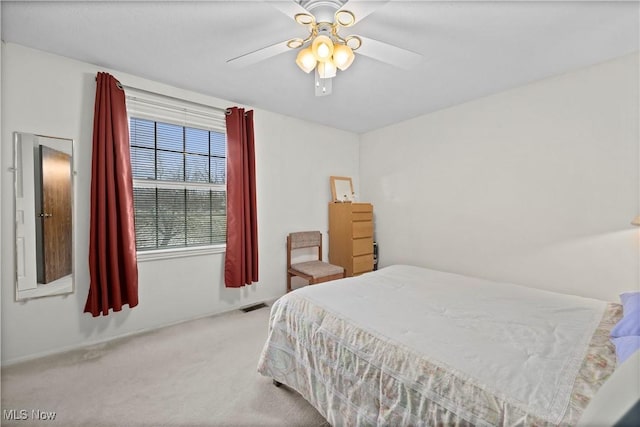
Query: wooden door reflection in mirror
x=53, y=225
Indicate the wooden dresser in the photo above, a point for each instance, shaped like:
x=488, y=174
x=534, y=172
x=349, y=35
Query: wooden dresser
x=351, y=237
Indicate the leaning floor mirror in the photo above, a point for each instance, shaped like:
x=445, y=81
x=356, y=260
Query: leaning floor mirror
x=44, y=207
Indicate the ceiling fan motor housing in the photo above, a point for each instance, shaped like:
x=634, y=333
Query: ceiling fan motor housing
x=323, y=10
x=325, y=28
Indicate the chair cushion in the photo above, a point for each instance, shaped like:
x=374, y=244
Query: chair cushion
x=317, y=269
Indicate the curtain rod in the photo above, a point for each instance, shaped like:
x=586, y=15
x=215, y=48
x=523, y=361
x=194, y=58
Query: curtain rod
x=226, y=111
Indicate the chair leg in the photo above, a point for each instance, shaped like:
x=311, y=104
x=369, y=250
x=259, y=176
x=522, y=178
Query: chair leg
x=288, y=282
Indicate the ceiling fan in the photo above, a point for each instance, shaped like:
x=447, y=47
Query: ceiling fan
x=325, y=49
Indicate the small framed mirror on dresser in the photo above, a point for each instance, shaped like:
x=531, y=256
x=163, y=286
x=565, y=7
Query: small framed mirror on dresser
x=341, y=189
x=44, y=215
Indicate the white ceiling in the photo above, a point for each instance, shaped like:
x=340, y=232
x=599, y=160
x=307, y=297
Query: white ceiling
x=470, y=49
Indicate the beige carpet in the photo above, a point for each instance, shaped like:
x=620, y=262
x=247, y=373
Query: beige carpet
x=198, y=373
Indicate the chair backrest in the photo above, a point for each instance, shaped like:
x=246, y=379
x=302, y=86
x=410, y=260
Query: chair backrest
x=301, y=240
x=305, y=239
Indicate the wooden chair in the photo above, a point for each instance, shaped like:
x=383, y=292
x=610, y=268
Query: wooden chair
x=316, y=271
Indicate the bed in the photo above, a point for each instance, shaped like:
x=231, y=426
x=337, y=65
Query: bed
x=411, y=346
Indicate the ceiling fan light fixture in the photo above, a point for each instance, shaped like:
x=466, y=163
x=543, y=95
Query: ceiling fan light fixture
x=354, y=42
x=343, y=56
x=304, y=19
x=322, y=48
x=345, y=18
x=295, y=43
x=326, y=70
x=306, y=60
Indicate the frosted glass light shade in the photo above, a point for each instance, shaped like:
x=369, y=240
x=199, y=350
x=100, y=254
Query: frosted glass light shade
x=306, y=60
x=326, y=70
x=636, y=221
x=322, y=48
x=342, y=56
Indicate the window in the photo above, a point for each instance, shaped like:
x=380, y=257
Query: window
x=178, y=161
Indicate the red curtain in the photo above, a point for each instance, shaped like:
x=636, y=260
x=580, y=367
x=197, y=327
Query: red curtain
x=113, y=267
x=241, y=259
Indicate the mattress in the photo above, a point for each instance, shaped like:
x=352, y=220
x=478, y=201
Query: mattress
x=411, y=346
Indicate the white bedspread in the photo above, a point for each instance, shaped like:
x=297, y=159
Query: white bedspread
x=525, y=346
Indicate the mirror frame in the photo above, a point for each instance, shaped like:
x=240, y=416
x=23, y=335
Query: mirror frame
x=340, y=184
x=65, y=287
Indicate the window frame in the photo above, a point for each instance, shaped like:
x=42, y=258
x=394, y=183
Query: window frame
x=147, y=102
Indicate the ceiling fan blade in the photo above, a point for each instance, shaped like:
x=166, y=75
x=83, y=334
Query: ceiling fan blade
x=289, y=8
x=363, y=8
x=259, y=55
x=389, y=54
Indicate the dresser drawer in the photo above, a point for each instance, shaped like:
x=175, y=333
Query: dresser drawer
x=362, y=216
x=362, y=264
x=361, y=207
x=362, y=229
x=363, y=246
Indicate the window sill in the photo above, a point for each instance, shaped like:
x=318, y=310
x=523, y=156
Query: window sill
x=159, y=254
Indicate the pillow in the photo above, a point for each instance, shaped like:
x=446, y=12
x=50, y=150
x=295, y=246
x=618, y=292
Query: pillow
x=630, y=302
x=625, y=347
x=629, y=325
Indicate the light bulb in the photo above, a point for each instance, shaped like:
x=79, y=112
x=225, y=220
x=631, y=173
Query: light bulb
x=305, y=60
x=323, y=51
x=343, y=56
x=322, y=48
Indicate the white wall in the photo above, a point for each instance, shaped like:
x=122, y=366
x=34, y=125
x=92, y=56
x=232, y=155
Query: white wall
x=536, y=185
x=52, y=95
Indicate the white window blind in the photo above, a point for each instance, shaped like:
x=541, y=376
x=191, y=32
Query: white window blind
x=178, y=160
x=146, y=105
